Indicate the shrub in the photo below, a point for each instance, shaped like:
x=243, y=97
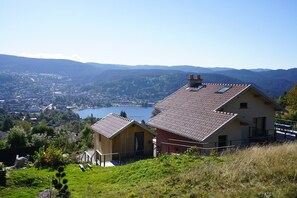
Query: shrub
x=60, y=183
x=193, y=151
x=39, y=140
x=42, y=129
x=49, y=158
x=1, y=166
x=16, y=138
x=39, y=158
x=87, y=136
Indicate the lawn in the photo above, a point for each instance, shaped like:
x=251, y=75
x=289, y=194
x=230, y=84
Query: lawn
x=268, y=171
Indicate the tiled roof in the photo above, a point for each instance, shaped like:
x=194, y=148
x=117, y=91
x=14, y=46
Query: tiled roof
x=194, y=113
x=111, y=125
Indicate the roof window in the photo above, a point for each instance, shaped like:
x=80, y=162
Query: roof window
x=223, y=89
x=196, y=88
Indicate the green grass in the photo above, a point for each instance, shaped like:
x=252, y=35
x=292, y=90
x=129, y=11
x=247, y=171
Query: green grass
x=256, y=172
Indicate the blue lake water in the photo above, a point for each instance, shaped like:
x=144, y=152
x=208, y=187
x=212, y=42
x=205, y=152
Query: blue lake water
x=133, y=112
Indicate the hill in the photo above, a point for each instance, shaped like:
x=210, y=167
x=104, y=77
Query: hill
x=272, y=82
x=267, y=171
x=147, y=85
x=68, y=68
x=184, y=68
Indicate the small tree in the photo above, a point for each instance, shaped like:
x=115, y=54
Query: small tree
x=49, y=158
x=39, y=140
x=123, y=114
x=16, y=138
x=289, y=100
x=60, y=183
x=7, y=124
x=42, y=129
x=25, y=125
x=87, y=136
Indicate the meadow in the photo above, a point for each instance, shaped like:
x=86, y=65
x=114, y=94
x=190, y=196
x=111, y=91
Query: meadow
x=266, y=171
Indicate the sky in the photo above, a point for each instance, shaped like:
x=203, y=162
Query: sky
x=242, y=34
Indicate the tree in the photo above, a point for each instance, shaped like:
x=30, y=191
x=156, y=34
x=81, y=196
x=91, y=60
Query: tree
x=25, y=125
x=87, y=136
x=91, y=119
x=7, y=124
x=289, y=100
x=42, y=129
x=123, y=114
x=16, y=138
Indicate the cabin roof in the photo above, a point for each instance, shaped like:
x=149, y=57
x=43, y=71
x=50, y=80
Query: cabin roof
x=113, y=124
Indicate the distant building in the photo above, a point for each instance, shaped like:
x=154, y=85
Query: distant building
x=215, y=115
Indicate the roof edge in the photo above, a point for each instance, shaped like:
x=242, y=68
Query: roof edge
x=125, y=127
x=275, y=105
x=225, y=123
x=247, y=87
x=152, y=125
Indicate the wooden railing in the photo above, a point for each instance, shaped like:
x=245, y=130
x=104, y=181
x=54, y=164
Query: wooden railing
x=102, y=157
x=202, y=150
x=86, y=157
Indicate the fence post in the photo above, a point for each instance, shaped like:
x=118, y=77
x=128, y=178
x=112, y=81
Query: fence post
x=100, y=159
x=104, y=160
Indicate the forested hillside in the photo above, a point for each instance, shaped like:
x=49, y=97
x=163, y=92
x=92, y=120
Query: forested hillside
x=96, y=83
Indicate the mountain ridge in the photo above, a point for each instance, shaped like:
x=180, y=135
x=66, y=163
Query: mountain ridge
x=273, y=82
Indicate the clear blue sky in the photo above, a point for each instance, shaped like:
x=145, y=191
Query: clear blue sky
x=231, y=33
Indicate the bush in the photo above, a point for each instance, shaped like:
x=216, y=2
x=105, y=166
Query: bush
x=17, y=138
x=39, y=140
x=60, y=183
x=64, y=141
x=193, y=151
x=87, y=136
x=41, y=129
x=49, y=158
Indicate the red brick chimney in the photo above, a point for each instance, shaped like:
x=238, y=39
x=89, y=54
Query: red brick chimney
x=194, y=82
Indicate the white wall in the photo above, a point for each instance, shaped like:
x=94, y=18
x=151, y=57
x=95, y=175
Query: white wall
x=256, y=108
x=232, y=130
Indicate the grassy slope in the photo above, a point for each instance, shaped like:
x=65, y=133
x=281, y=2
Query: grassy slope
x=249, y=173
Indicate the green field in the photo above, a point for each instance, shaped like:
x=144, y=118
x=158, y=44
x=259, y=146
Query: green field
x=269, y=171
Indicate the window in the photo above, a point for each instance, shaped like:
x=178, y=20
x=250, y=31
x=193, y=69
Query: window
x=259, y=127
x=196, y=88
x=200, y=87
x=223, y=140
x=224, y=89
x=243, y=105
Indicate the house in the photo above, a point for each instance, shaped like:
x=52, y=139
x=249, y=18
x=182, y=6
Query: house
x=127, y=138
x=214, y=115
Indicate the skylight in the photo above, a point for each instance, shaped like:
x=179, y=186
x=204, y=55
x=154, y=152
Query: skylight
x=196, y=88
x=224, y=89
x=200, y=87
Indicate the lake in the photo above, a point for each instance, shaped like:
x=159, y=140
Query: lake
x=137, y=113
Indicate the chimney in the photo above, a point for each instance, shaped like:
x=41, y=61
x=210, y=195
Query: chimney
x=194, y=82
x=191, y=77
